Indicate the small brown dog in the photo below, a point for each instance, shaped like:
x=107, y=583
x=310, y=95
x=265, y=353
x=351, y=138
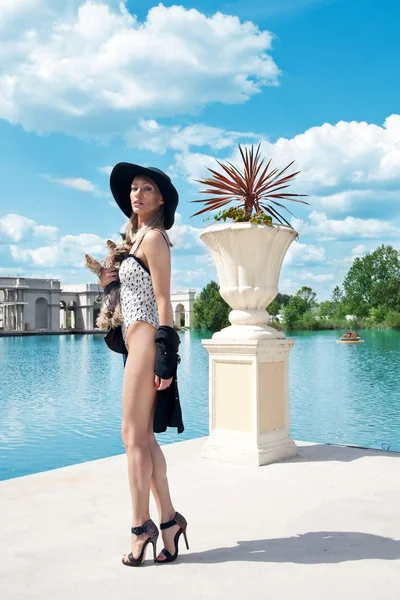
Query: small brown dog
x=110, y=312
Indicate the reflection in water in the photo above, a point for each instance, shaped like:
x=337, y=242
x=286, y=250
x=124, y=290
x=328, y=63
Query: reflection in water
x=61, y=395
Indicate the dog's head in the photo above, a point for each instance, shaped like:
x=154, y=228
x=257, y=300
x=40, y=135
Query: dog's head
x=115, y=254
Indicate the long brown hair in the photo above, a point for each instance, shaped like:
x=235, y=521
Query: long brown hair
x=131, y=234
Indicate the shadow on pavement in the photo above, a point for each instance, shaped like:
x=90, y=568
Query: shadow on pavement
x=314, y=547
x=326, y=452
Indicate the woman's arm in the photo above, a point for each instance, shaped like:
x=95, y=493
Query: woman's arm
x=107, y=276
x=158, y=257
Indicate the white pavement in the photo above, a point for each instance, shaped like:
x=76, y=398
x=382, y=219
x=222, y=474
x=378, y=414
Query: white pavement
x=325, y=525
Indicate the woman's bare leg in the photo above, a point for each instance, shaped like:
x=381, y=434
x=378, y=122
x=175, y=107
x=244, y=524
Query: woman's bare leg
x=138, y=398
x=159, y=480
x=160, y=490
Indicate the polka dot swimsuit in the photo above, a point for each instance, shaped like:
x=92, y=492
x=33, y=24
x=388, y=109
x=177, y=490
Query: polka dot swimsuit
x=138, y=301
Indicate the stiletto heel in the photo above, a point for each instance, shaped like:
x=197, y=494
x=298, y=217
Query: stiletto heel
x=186, y=540
x=155, y=550
x=151, y=529
x=177, y=520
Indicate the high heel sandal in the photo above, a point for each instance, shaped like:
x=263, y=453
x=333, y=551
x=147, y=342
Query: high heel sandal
x=177, y=520
x=151, y=529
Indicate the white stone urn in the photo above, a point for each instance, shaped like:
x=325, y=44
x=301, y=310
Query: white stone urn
x=248, y=259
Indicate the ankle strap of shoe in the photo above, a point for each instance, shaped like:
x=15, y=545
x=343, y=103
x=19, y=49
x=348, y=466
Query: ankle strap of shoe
x=138, y=530
x=168, y=524
x=142, y=528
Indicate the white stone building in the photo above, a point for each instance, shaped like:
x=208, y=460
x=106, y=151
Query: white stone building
x=28, y=304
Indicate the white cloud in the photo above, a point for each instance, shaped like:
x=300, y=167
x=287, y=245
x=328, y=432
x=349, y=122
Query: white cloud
x=359, y=250
x=106, y=170
x=45, y=231
x=349, y=228
x=16, y=228
x=347, y=153
x=184, y=236
x=11, y=10
x=150, y=135
x=206, y=259
x=344, y=168
x=194, y=275
x=77, y=183
x=183, y=280
x=69, y=250
x=299, y=254
x=193, y=165
x=354, y=199
x=288, y=286
x=321, y=278
x=89, y=67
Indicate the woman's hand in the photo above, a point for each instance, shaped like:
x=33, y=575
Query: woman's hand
x=161, y=384
x=107, y=276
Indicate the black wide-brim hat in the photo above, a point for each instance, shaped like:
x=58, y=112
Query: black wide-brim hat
x=121, y=181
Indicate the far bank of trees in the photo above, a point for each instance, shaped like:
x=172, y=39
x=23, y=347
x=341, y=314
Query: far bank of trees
x=370, y=294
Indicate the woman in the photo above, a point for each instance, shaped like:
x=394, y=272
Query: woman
x=148, y=198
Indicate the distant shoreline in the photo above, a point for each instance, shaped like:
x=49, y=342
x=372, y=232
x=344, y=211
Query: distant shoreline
x=65, y=332
x=60, y=332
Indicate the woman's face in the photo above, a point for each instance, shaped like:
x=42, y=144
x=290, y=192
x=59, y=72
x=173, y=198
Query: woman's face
x=145, y=196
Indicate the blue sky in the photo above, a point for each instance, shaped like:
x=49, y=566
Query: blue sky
x=86, y=84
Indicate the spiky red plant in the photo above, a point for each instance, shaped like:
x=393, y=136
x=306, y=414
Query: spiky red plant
x=256, y=187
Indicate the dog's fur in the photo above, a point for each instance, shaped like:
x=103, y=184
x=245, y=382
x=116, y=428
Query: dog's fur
x=110, y=313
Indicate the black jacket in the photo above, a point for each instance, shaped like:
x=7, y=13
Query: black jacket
x=168, y=412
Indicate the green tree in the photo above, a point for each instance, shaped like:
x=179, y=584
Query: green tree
x=392, y=319
x=210, y=310
x=308, y=295
x=377, y=314
x=293, y=311
x=274, y=308
x=309, y=321
x=339, y=308
x=327, y=308
x=337, y=295
x=373, y=280
x=304, y=300
x=277, y=304
x=283, y=299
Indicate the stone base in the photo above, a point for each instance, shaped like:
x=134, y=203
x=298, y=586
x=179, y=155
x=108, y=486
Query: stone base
x=243, y=449
x=249, y=400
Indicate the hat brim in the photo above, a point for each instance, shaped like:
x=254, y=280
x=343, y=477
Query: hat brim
x=121, y=180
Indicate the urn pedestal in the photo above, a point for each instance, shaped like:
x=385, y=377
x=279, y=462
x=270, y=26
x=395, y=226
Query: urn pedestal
x=249, y=360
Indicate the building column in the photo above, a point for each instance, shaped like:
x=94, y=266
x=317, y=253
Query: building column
x=89, y=318
x=5, y=311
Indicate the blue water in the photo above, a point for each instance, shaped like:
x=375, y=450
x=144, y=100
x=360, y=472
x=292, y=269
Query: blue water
x=60, y=398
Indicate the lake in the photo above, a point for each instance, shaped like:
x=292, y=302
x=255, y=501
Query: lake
x=60, y=398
